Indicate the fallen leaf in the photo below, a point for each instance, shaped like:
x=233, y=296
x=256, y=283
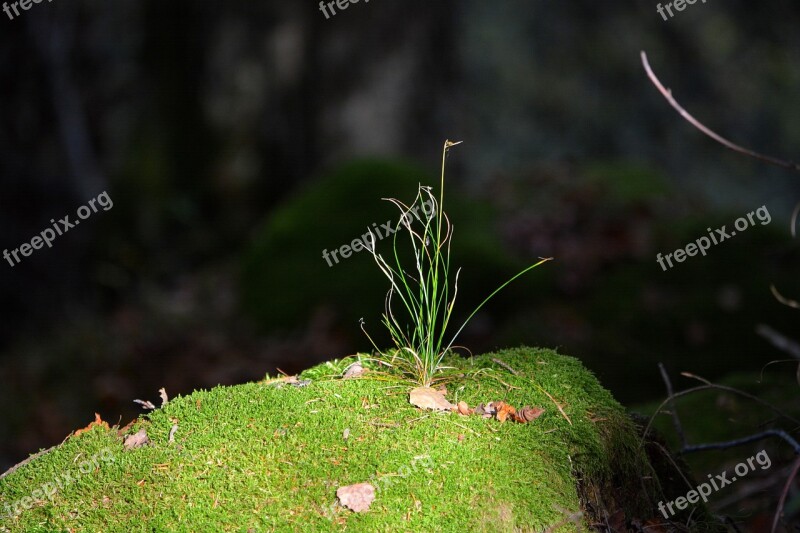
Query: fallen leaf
x=346, y=433
x=504, y=411
x=463, y=408
x=528, y=413
x=442, y=389
x=355, y=370
x=145, y=404
x=356, y=497
x=164, y=398
x=288, y=380
x=136, y=440
x=460, y=437
x=97, y=422
x=428, y=398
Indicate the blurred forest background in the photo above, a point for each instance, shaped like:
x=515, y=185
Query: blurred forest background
x=239, y=139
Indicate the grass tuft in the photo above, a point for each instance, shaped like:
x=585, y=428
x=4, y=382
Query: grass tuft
x=426, y=291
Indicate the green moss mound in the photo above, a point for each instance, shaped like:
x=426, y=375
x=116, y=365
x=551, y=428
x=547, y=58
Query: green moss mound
x=263, y=457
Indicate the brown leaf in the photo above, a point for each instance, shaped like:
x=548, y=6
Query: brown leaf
x=428, y=398
x=529, y=413
x=97, y=422
x=294, y=381
x=354, y=371
x=463, y=408
x=504, y=411
x=356, y=497
x=136, y=440
x=486, y=411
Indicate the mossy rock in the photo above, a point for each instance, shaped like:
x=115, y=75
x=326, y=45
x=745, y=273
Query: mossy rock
x=263, y=457
x=285, y=277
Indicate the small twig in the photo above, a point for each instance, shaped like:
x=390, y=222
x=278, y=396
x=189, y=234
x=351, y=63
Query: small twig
x=709, y=385
x=741, y=393
x=674, y=464
x=672, y=407
x=568, y=517
x=667, y=93
x=555, y=402
x=730, y=521
x=779, y=341
x=782, y=501
x=744, y=440
x=506, y=366
x=782, y=299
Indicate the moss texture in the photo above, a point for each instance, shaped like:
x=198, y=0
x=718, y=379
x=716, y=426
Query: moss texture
x=269, y=457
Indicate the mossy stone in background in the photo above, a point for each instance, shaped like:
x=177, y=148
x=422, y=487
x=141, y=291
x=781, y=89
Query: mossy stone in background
x=285, y=278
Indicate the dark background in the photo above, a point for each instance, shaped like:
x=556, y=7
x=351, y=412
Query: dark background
x=238, y=140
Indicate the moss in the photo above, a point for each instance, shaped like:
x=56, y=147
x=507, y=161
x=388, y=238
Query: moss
x=261, y=457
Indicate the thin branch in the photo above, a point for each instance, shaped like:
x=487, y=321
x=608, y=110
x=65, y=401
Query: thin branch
x=782, y=299
x=742, y=393
x=667, y=93
x=672, y=407
x=506, y=366
x=779, y=341
x=744, y=440
x=779, y=510
x=708, y=385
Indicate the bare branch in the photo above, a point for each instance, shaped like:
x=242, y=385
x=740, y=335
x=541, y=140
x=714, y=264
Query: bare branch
x=779, y=341
x=672, y=407
x=785, y=301
x=791, y=165
x=779, y=510
x=744, y=440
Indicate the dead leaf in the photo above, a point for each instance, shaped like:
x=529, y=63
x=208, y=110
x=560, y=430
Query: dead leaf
x=355, y=370
x=172, y=431
x=97, y=422
x=145, y=404
x=428, y=398
x=356, y=497
x=164, y=398
x=463, y=408
x=136, y=440
x=346, y=433
x=529, y=414
x=288, y=380
x=504, y=411
x=442, y=389
x=486, y=411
